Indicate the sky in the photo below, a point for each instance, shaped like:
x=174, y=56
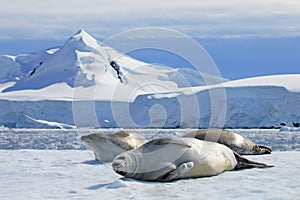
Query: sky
x=245, y=29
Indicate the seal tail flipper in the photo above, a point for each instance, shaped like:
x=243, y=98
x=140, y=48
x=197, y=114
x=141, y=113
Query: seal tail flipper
x=244, y=163
x=179, y=172
x=265, y=150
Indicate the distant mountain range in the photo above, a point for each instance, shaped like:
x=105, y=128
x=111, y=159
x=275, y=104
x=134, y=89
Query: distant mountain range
x=77, y=84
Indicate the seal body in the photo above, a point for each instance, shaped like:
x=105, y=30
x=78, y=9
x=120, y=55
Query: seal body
x=167, y=159
x=107, y=146
x=234, y=141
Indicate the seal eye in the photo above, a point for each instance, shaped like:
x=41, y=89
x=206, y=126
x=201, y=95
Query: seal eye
x=121, y=157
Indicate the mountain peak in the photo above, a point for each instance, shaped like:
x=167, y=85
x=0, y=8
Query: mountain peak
x=83, y=41
x=82, y=34
x=80, y=31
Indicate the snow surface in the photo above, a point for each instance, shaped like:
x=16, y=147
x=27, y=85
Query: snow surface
x=74, y=174
x=71, y=174
x=290, y=82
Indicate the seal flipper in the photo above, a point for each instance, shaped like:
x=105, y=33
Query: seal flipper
x=179, y=172
x=265, y=150
x=244, y=163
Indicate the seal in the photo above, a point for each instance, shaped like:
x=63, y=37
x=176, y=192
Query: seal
x=234, y=141
x=168, y=158
x=107, y=146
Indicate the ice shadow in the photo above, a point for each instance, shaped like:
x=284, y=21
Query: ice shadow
x=92, y=162
x=98, y=186
x=118, y=183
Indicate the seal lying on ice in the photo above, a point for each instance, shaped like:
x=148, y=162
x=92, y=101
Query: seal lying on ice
x=234, y=141
x=168, y=158
x=107, y=146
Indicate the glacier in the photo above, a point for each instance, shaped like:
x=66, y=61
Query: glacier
x=74, y=85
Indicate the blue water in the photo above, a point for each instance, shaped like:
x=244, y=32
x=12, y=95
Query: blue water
x=70, y=138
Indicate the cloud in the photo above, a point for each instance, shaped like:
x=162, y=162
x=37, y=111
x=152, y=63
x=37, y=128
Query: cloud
x=218, y=18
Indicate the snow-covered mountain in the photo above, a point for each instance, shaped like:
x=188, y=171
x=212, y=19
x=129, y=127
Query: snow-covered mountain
x=255, y=102
x=80, y=69
x=75, y=84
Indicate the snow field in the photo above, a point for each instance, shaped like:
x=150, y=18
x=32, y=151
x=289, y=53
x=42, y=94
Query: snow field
x=73, y=174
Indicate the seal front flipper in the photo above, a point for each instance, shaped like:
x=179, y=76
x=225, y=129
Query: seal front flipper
x=244, y=163
x=265, y=150
x=179, y=172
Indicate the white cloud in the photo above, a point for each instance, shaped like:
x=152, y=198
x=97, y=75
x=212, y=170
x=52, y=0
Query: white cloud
x=58, y=18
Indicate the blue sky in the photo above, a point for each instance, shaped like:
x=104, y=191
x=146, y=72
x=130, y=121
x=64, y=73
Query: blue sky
x=245, y=38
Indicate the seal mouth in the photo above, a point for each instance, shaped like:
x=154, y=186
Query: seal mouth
x=122, y=173
x=125, y=164
x=119, y=165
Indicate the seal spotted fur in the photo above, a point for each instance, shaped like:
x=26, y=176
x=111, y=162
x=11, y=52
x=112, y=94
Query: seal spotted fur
x=168, y=158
